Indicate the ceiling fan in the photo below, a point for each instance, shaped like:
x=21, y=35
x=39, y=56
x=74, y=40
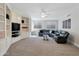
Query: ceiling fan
x=43, y=13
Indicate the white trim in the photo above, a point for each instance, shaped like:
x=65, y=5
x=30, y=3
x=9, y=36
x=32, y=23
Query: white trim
x=75, y=44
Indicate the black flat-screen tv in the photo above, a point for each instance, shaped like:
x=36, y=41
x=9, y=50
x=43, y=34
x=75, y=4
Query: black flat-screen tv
x=15, y=26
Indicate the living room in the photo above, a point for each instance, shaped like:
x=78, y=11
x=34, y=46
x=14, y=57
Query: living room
x=67, y=22
x=21, y=29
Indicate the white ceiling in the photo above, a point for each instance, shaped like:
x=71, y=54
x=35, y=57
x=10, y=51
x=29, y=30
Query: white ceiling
x=53, y=10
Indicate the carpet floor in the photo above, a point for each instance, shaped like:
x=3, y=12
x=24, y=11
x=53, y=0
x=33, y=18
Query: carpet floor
x=40, y=47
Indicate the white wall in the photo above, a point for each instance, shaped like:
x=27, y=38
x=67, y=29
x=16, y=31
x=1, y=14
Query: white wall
x=74, y=31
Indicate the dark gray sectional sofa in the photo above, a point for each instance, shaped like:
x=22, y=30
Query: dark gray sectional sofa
x=60, y=36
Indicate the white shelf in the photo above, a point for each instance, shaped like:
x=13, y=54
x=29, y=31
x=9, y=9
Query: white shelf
x=2, y=30
x=2, y=15
x=1, y=5
x=2, y=8
x=2, y=21
x=2, y=18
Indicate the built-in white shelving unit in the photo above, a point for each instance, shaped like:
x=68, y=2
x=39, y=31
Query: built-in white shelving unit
x=5, y=28
x=2, y=21
x=25, y=27
x=2, y=29
x=7, y=17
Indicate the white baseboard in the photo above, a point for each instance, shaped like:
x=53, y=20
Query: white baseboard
x=75, y=44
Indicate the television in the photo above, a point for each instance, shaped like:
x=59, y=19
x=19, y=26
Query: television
x=15, y=27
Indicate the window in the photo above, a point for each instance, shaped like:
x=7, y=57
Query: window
x=51, y=26
x=67, y=24
x=38, y=26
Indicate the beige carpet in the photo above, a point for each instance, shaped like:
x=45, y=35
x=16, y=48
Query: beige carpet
x=39, y=47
